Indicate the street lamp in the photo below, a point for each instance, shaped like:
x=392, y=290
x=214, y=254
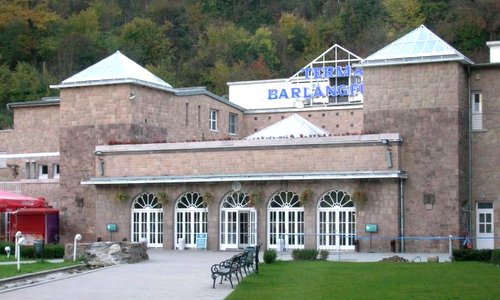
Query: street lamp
x=16, y=249
x=77, y=238
x=20, y=242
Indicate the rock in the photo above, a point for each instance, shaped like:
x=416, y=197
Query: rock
x=432, y=258
x=394, y=258
x=101, y=254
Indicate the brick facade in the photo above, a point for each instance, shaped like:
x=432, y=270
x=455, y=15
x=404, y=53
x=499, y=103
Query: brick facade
x=418, y=112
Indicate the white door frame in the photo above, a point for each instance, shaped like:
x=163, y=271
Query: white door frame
x=485, y=226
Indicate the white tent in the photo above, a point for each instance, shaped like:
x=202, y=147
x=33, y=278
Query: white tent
x=293, y=126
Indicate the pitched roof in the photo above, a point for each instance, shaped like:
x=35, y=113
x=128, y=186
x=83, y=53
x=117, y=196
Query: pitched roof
x=418, y=46
x=293, y=126
x=114, y=69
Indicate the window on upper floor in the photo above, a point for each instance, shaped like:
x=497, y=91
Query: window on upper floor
x=477, y=111
x=55, y=171
x=43, y=171
x=233, y=118
x=213, y=120
x=29, y=169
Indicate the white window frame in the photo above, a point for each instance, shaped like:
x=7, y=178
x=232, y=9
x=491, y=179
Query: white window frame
x=477, y=111
x=43, y=174
x=147, y=220
x=232, y=207
x=191, y=217
x=336, y=225
x=212, y=120
x=285, y=220
x=233, y=120
x=56, y=171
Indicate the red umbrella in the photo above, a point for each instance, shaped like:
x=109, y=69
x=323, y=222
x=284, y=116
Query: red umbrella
x=11, y=202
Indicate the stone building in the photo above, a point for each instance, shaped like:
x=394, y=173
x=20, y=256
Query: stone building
x=398, y=147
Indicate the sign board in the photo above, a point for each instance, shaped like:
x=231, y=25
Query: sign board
x=371, y=227
x=201, y=241
x=111, y=227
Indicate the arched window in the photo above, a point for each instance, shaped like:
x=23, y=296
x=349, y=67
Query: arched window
x=285, y=220
x=191, y=217
x=147, y=220
x=238, y=221
x=336, y=221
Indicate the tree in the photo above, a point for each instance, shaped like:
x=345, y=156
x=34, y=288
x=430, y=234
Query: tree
x=144, y=41
x=404, y=15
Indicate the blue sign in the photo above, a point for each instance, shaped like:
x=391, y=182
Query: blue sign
x=201, y=241
x=325, y=91
x=111, y=227
x=371, y=227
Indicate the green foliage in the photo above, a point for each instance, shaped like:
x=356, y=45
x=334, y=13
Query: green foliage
x=207, y=42
x=28, y=252
x=323, y=254
x=495, y=257
x=348, y=280
x=270, y=256
x=305, y=254
x=483, y=255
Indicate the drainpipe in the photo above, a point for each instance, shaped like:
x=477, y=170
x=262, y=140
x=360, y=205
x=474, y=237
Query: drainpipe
x=401, y=215
x=469, y=154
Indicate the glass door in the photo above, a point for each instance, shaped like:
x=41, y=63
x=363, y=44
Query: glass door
x=484, y=226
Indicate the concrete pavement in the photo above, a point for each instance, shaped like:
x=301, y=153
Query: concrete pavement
x=167, y=274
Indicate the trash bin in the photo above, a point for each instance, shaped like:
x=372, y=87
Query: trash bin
x=281, y=245
x=356, y=245
x=181, y=244
x=38, y=246
x=393, y=246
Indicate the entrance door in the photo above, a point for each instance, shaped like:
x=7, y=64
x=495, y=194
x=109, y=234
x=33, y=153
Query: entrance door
x=238, y=222
x=147, y=220
x=336, y=221
x=484, y=226
x=244, y=228
x=238, y=228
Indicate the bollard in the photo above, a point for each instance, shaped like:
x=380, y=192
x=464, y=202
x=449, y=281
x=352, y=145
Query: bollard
x=450, y=246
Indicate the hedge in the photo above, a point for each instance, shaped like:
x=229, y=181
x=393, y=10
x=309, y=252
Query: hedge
x=483, y=255
x=305, y=254
x=49, y=250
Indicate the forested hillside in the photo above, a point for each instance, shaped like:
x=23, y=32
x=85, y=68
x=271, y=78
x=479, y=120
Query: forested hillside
x=211, y=42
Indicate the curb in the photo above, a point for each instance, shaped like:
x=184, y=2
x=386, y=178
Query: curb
x=41, y=273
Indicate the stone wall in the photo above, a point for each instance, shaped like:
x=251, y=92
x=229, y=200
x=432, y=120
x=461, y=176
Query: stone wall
x=381, y=207
x=327, y=154
x=101, y=254
x=486, y=142
x=335, y=120
x=426, y=103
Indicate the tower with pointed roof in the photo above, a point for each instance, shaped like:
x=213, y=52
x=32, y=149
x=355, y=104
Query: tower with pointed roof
x=417, y=86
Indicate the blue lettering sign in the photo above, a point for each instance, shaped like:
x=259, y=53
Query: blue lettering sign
x=272, y=94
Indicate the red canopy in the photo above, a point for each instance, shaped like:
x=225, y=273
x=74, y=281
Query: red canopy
x=11, y=202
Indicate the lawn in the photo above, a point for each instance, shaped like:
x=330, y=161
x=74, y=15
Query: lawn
x=343, y=280
x=11, y=270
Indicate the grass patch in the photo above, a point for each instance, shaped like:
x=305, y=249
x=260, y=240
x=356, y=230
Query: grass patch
x=7, y=271
x=3, y=258
x=341, y=280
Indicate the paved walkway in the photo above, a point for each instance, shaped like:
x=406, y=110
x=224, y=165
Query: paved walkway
x=167, y=274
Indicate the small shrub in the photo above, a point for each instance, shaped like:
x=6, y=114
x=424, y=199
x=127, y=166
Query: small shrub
x=270, y=256
x=49, y=251
x=305, y=254
x=483, y=255
x=495, y=257
x=323, y=254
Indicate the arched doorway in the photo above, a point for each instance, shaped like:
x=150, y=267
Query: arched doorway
x=238, y=222
x=191, y=217
x=336, y=221
x=285, y=220
x=147, y=220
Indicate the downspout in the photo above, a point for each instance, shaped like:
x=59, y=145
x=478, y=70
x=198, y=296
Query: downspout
x=401, y=216
x=469, y=155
